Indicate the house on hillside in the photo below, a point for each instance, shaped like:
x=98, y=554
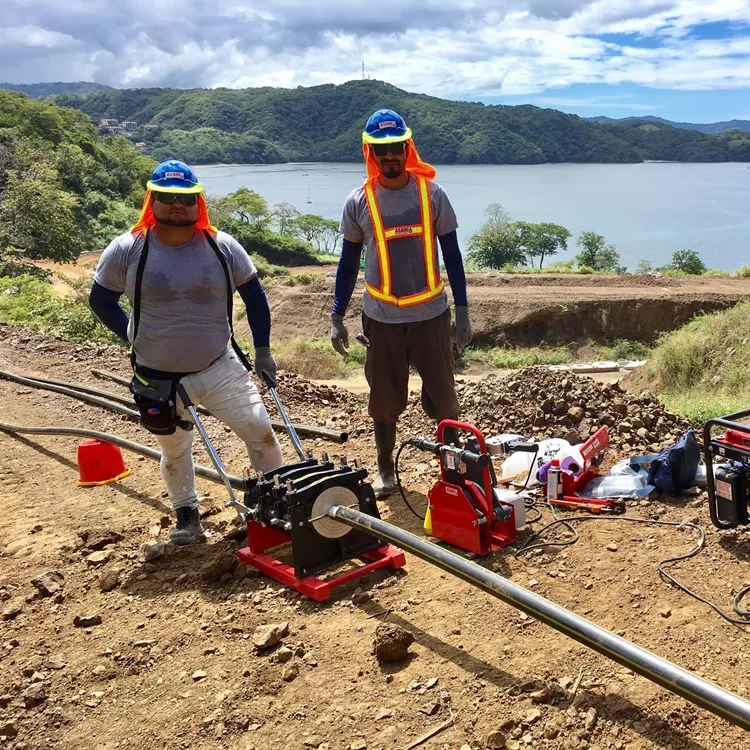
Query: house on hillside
x=105, y=123
x=129, y=124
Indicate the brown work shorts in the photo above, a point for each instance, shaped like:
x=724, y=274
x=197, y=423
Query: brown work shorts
x=393, y=347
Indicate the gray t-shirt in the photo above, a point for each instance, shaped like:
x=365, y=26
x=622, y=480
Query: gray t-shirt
x=399, y=208
x=183, y=324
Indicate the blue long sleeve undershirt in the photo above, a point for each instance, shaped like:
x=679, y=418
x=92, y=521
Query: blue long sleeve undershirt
x=258, y=312
x=105, y=305
x=348, y=269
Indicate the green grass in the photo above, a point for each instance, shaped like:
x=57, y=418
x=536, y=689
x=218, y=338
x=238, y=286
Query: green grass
x=327, y=257
x=700, y=406
x=703, y=369
x=512, y=358
x=32, y=302
x=624, y=349
x=314, y=359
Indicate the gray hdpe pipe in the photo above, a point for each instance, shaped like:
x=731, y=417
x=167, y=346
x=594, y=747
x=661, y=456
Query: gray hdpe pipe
x=703, y=693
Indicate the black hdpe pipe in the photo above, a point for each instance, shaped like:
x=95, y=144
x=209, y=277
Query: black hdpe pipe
x=677, y=680
x=335, y=436
x=120, y=404
x=201, y=471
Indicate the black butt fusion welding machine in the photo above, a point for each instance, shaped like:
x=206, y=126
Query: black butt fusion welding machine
x=290, y=504
x=727, y=457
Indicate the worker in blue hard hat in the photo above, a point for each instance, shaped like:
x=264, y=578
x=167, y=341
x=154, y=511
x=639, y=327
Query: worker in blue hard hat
x=180, y=275
x=401, y=214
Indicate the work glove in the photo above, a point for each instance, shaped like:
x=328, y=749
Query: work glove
x=265, y=366
x=339, y=335
x=461, y=328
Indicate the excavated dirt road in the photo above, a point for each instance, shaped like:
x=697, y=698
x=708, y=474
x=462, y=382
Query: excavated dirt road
x=172, y=664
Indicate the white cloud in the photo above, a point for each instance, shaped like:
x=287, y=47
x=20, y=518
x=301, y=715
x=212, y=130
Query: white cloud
x=441, y=47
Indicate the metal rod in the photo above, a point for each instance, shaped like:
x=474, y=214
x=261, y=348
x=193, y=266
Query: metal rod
x=201, y=471
x=677, y=680
x=288, y=426
x=306, y=430
x=215, y=458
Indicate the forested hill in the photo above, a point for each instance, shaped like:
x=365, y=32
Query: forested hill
x=37, y=90
x=321, y=123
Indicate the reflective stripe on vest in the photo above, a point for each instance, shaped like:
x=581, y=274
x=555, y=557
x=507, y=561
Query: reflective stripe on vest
x=383, y=236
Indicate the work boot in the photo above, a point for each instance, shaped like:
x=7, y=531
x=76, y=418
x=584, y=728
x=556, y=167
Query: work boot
x=450, y=435
x=385, y=442
x=188, y=529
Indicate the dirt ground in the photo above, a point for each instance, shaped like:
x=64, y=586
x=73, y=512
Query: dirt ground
x=172, y=664
x=526, y=310
x=510, y=309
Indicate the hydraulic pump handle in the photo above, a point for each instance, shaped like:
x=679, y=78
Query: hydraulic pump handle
x=436, y=448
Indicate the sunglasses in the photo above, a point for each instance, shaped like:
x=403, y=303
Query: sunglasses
x=381, y=149
x=187, y=199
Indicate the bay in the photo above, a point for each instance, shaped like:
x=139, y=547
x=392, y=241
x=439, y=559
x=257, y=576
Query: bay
x=647, y=210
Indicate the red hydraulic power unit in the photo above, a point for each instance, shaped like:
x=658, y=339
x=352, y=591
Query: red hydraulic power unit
x=463, y=506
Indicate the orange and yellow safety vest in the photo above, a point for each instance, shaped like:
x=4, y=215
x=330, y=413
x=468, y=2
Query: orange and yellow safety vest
x=383, y=237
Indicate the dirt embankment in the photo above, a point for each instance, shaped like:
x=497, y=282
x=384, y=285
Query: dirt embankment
x=173, y=662
x=528, y=310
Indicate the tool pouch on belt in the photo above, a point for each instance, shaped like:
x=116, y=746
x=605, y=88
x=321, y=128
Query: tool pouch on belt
x=156, y=402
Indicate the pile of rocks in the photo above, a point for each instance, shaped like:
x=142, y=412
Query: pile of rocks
x=539, y=403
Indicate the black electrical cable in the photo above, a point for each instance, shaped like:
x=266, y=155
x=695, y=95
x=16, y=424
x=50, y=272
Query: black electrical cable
x=659, y=566
x=398, y=480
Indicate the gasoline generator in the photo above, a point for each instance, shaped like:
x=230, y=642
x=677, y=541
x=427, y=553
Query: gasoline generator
x=727, y=456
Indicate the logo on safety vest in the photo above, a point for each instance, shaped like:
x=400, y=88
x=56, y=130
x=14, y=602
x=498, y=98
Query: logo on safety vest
x=404, y=230
x=178, y=175
x=388, y=124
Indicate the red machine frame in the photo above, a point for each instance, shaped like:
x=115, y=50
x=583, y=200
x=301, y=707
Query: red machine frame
x=462, y=511
x=262, y=538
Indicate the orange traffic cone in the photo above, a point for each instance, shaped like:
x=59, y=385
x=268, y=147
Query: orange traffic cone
x=99, y=463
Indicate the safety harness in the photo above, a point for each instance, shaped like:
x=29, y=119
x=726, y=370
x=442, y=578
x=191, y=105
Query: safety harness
x=155, y=396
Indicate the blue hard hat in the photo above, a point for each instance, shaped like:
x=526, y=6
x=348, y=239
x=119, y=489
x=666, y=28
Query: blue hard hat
x=174, y=176
x=386, y=126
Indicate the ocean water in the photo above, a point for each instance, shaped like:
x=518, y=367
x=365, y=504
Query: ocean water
x=647, y=210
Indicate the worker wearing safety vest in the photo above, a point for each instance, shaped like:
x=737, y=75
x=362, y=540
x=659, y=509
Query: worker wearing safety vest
x=401, y=214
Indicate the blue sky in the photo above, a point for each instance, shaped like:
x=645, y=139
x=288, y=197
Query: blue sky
x=631, y=100
x=679, y=59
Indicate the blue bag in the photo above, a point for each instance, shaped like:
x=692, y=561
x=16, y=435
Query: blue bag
x=673, y=470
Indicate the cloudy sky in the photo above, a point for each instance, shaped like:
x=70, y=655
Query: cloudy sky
x=681, y=59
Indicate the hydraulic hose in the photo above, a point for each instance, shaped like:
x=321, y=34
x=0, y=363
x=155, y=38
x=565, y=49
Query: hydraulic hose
x=306, y=430
x=120, y=404
x=677, y=680
x=143, y=450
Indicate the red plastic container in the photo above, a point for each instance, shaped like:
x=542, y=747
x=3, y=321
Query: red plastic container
x=99, y=463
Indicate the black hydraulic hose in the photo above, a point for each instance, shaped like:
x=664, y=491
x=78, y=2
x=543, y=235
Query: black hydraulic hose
x=80, y=387
x=677, y=680
x=306, y=430
x=95, y=400
x=202, y=471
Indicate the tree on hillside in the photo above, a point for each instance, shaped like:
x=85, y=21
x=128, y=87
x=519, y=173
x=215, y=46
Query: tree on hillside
x=323, y=233
x=38, y=217
x=542, y=240
x=597, y=254
x=644, y=266
x=497, y=243
x=285, y=214
x=688, y=261
x=251, y=207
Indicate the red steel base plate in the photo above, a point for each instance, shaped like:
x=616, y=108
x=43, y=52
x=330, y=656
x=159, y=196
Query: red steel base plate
x=312, y=586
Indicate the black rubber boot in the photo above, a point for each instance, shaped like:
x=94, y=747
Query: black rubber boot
x=385, y=442
x=188, y=529
x=450, y=435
